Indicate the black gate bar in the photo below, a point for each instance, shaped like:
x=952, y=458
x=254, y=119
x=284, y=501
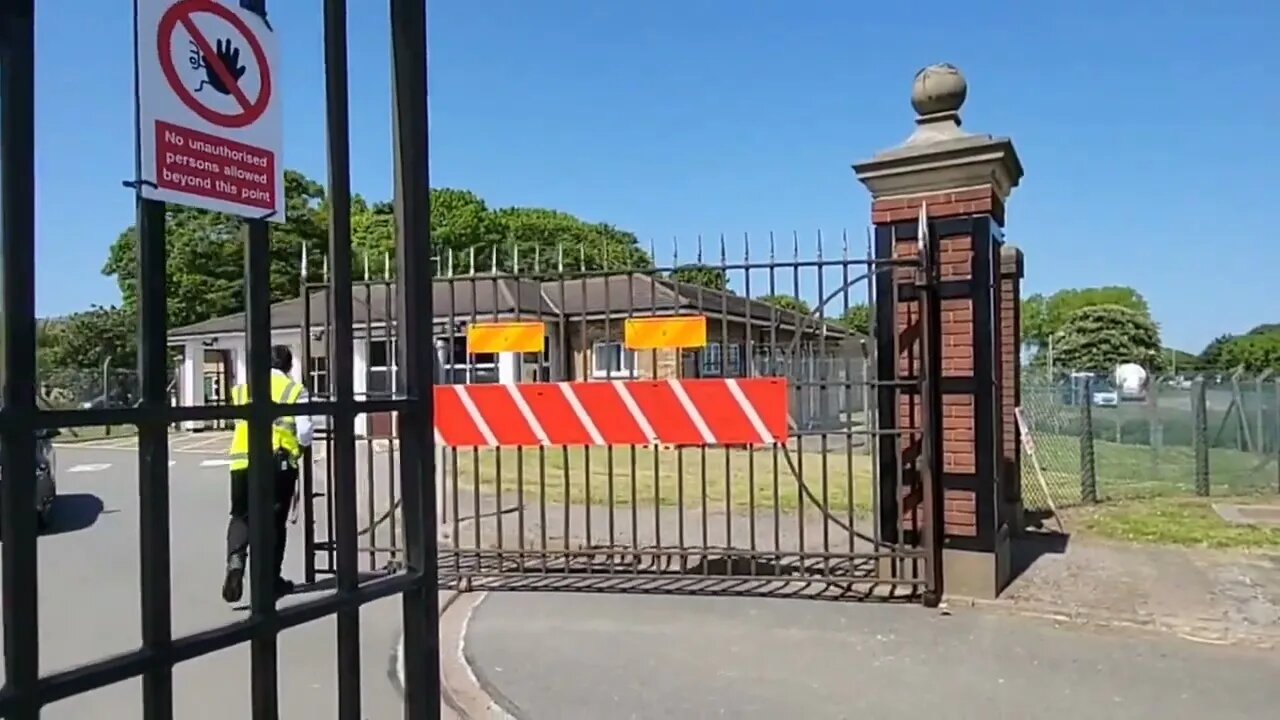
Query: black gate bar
x=18, y=314
x=415, y=356
x=342, y=458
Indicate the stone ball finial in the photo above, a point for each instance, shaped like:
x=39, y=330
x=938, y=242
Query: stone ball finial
x=939, y=88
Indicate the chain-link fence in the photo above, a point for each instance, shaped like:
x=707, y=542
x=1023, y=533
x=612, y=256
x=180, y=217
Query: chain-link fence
x=76, y=388
x=1214, y=435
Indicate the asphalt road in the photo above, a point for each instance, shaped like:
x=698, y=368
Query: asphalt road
x=568, y=656
x=89, y=595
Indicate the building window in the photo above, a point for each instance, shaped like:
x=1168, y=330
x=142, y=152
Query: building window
x=460, y=367
x=722, y=361
x=382, y=369
x=318, y=374
x=536, y=367
x=611, y=359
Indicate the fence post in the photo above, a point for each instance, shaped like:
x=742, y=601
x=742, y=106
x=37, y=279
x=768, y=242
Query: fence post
x=1200, y=435
x=1275, y=430
x=1088, y=469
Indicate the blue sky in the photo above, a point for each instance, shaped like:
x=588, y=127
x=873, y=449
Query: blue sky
x=1146, y=129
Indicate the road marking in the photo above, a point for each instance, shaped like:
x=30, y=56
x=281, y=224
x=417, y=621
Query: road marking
x=219, y=462
x=89, y=467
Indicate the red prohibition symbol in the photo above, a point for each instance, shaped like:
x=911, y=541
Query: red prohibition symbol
x=181, y=13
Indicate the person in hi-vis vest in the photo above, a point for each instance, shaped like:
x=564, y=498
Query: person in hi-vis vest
x=289, y=435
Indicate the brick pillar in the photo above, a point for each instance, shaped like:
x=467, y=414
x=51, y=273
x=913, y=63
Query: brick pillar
x=1011, y=271
x=962, y=181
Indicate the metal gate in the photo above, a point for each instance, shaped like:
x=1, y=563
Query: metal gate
x=23, y=424
x=803, y=516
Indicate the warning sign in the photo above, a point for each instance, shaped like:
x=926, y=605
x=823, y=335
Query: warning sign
x=209, y=113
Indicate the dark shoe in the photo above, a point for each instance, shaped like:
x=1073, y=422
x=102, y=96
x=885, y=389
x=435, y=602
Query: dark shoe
x=233, y=583
x=283, y=587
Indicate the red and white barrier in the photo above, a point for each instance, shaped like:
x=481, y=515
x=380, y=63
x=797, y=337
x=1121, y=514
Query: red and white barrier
x=638, y=412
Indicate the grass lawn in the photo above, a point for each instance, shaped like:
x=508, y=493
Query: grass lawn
x=1187, y=522
x=1137, y=471
x=732, y=477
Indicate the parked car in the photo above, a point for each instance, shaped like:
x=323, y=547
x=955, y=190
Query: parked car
x=1105, y=394
x=46, y=477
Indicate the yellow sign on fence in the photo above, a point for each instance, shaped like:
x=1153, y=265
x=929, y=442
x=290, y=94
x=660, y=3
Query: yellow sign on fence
x=660, y=333
x=498, y=337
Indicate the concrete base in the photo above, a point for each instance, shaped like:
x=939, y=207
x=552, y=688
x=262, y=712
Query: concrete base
x=978, y=574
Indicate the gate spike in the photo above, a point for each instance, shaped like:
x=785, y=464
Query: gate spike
x=366, y=265
x=746, y=249
x=324, y=269
x=819, y=246
x=448, y=268
x=582, y=257
x=537, y=259
x=653, y=253
x=515, y=258
x=471, y=261
x=795, y=246
x=844, y=244
x=386, y=265
x=493, y=259
x=724, y=254
x=698, y=259
x=560, y=259
x=772, y=247
x=675, y=252
x=302, y=270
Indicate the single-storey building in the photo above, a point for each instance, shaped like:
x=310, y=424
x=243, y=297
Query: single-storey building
x=584, y=320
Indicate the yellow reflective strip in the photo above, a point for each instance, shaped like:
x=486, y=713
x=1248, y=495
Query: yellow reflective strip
x=293, y=396
x=284, y=394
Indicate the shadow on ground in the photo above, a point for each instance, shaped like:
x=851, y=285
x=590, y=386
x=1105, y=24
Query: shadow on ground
x=75, y=512
x=1037, y=541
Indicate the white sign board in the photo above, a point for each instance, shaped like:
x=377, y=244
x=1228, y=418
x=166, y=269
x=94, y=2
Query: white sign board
x=209, y=107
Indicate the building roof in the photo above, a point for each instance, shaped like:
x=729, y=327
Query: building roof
x=498, y=297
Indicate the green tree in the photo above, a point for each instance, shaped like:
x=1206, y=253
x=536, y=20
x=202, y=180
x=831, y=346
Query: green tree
x=702, y=275
x=1211, y=356
x=1254, y=352
x=88, y=338
x=1181, y=362
x=206, y=255
x=1043, y=317
x=1098, y=338
x=787, y=302
x=543, y=237
x=857, y=318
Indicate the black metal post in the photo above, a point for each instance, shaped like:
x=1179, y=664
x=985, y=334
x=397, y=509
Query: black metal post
x=262, y=577
x=929, y=465
x=153, y=434
x=343, y=470
x=415, y=356
x=18, y=315
x=153, y=460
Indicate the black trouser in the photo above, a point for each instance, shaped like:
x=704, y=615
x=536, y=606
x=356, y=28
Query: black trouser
x=286, y=477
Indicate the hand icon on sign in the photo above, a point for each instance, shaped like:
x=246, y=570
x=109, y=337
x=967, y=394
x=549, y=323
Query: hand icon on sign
x=228, y=56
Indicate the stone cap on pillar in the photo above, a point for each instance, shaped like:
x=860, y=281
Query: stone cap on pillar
x=1011, y=263
x=940, y=156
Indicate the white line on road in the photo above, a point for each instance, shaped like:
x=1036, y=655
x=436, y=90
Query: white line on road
x=218, y=462
x=89, y=467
